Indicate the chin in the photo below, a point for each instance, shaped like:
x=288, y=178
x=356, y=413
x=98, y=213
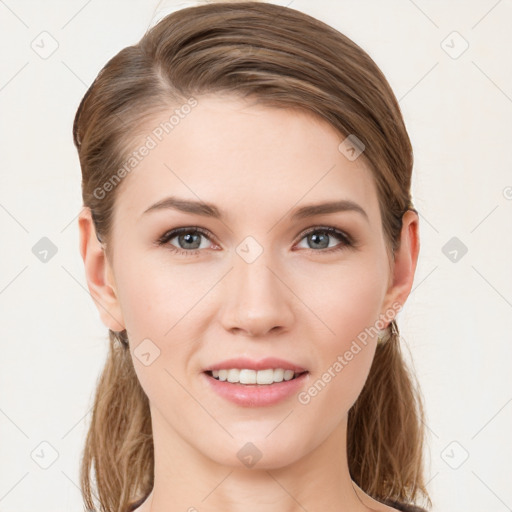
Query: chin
x=258, y=451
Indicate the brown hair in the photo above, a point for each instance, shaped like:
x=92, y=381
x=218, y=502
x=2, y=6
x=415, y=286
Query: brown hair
x=297, y=62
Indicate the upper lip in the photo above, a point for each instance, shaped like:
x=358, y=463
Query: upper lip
x=262, y=364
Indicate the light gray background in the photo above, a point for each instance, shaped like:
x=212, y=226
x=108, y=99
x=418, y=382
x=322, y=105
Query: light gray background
x=456, y=323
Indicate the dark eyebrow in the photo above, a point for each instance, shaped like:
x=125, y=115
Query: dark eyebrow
x=342, y=205
x=187, y=206
x=210, y=210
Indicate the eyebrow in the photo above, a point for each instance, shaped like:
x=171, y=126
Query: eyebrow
x=210, y=210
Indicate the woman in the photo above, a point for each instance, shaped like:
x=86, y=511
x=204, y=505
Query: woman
x=248, y=237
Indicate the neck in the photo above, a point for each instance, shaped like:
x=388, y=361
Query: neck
x=186, y=479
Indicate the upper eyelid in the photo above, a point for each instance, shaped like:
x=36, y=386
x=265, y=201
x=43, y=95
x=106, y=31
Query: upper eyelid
x=173, y=233
x=332, y=231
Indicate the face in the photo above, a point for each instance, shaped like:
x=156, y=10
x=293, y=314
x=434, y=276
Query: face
x=258, y=280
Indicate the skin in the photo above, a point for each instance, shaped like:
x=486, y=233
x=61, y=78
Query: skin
x=295, y=301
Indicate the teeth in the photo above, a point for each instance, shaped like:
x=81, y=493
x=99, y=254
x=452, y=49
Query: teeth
x=246, y=376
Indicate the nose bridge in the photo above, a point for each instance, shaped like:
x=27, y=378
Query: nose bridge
x=257, y=299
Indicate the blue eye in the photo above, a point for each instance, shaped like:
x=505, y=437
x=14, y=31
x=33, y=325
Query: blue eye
x=190, y=238
x=320, y=235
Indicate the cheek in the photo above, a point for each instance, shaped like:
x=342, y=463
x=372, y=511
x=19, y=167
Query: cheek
x=354, y=306
x=347, y=298
x=154, y=296
x=350, y=307
x=156, y=319
x=160, y=309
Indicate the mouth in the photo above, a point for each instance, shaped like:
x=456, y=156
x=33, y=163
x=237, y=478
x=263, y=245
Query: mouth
x=251, y=388
x=254, y=378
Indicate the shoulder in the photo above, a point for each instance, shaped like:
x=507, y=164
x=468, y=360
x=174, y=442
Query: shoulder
x=134, y=507
x=402, y=507
x=386, y=505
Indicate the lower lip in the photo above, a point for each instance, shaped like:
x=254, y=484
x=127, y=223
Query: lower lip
x=257, y=395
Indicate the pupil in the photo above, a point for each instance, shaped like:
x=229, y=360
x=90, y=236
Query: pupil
x=189, y=239
x=316, y=237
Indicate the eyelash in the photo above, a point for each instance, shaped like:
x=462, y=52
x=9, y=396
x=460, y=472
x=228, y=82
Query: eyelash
x=347, y=241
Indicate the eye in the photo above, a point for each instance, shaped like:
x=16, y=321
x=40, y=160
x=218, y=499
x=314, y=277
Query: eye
x=319, y=238
x=189, y=243
x=188, y=240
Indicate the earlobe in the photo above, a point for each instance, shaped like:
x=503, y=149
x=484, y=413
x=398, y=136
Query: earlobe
x=98, y=273
x=406, y=259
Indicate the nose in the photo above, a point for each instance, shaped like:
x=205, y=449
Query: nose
x=257, y=299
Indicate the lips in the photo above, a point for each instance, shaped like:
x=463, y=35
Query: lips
x=255, y=395
x=250, y=364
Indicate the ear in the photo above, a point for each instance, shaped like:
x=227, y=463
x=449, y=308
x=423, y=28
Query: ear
x=98, y=273
x=404, y=266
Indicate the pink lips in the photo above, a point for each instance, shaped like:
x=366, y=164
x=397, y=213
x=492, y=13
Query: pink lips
x=263, y=364
x=255, y=395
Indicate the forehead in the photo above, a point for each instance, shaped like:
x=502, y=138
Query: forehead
x=231, y=152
